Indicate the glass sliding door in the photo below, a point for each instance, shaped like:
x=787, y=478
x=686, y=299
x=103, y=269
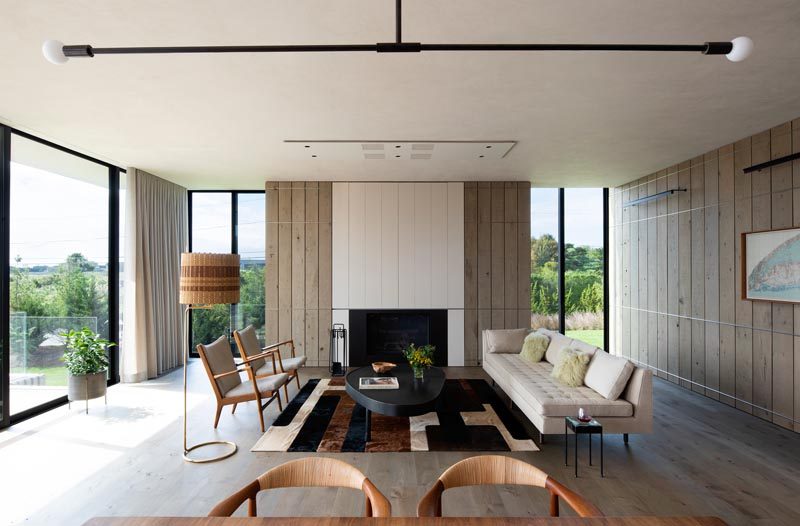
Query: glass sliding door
x=583, y=264
x=251, y=245
x=544, y=258
x=58, y=265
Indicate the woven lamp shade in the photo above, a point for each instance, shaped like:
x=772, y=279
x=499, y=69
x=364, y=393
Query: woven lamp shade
x=209, y=279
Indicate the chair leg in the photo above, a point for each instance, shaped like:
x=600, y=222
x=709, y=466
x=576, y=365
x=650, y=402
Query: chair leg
x=216, y=418
x=233, y=409
x=278, y=396
x=297, y=379
x=285, y=392
x=260, y=415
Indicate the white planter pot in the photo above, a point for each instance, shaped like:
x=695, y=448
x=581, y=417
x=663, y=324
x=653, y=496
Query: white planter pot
x=86, y=386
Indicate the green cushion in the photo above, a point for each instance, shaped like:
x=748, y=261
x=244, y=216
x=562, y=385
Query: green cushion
x=570, y=369
x=534, y=347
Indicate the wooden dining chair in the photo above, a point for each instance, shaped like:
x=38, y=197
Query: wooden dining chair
x=249, y=346
x=496, y=469
x=228, y=386
x=307, y=472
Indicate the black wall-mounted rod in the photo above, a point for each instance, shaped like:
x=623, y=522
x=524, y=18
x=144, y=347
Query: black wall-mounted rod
x=85, y=50
x=654, y=197
x=774, y=162
x=399, y=20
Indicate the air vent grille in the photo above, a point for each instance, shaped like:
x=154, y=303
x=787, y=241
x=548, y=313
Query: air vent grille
x=374, y=156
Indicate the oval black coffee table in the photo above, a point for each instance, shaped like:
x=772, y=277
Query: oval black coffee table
x=413, y=398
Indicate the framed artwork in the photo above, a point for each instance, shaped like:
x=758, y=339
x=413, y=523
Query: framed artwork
x=771, y=265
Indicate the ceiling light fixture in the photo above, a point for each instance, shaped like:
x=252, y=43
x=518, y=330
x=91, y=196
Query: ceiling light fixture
x=57, y=53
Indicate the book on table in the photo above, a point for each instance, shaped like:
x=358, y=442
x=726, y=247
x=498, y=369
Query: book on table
x=378, y=382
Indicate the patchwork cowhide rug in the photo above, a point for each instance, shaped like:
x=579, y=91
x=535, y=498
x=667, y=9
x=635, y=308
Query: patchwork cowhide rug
x=323, y=417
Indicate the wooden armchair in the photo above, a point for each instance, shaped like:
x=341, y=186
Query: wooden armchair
x=496, y=469
x=228, y=386
x=249, y=346
x=307, y=472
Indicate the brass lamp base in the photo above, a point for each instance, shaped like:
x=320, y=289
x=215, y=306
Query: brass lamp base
x=230, y=452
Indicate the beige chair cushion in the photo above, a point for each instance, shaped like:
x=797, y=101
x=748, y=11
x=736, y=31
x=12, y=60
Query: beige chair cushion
x=534, y=347
x=269, y=383
x=252, y=346
x=548, y=397
x=608, y=375
x=505, y=340
x=220, y=360
x=571, y=367
x=288, y=365
x=557, y=342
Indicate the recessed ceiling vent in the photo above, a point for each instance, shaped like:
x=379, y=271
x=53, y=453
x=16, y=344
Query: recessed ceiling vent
x=398, y=150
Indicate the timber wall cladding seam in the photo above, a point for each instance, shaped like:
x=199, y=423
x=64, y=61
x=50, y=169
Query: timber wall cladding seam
x=298, y=268
x=497, y=262
x=677, y=270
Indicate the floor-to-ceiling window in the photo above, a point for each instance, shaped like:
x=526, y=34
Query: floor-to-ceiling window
x=584, y=260
x=568, y=261
x=230, y=222
x=62, y=266
x=544, y=258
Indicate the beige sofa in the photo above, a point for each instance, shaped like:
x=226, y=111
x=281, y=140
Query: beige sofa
x=546, y=402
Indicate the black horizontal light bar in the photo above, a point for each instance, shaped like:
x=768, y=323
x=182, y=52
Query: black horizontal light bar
x=768, y=164
x=85, y=50
x=659, y=195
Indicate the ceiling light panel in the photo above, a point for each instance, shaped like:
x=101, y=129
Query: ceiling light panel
x=397, y=150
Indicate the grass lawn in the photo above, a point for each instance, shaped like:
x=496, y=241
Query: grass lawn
x=593, y=337
x=56, y=376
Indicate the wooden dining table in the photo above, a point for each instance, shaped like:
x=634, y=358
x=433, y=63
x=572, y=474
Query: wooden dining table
x=404, y=521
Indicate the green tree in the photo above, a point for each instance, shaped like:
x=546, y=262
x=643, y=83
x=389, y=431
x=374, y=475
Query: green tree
x=544, y=250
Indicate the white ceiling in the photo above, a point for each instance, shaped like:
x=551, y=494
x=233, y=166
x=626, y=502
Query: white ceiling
x=218, y=121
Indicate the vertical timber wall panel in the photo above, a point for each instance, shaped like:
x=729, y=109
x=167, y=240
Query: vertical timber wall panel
x=678, y=276
x=497, y=263
x=298, y=278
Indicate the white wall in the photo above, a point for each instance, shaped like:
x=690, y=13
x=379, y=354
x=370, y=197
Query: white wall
x=400, y=246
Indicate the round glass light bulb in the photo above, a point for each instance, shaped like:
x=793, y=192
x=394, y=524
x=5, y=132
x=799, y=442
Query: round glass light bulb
x=53, y=51
x=742, y=48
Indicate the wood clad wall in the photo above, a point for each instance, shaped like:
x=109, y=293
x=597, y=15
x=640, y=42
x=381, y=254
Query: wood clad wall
x=497, y=260
x=298, y=268
x=677, y=276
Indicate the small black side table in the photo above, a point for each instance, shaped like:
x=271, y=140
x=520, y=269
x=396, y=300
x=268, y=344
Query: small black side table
x=582, y=428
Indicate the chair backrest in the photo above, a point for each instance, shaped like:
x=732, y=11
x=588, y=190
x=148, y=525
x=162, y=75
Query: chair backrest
x=218, y=358
x=496, y=469
x=307, y=472
x=248, y=344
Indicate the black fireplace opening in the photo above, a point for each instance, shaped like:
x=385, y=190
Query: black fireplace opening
x=381, y=335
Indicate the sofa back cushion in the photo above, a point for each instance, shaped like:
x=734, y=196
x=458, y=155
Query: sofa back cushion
x=557, y=342
x=571, y=367
x=608, y=375
x=501, y=341
x=534, y=347
x=584, y=347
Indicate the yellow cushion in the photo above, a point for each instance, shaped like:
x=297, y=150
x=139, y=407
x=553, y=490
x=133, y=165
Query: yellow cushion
x=570, y=369
x=534, y=347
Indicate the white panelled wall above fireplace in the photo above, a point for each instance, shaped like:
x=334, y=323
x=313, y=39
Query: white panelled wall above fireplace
x=400, y=246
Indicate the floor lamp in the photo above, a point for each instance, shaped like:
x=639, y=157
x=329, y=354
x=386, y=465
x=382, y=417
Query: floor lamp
x=206, y=280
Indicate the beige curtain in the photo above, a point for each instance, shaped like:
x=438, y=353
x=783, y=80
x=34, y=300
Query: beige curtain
x=156, y=232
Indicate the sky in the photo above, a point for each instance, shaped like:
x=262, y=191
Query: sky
x=583, y=214
x=53, y=216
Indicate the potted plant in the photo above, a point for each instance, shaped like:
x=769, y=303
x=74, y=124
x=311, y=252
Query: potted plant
x=419, y=358
x=86, y=363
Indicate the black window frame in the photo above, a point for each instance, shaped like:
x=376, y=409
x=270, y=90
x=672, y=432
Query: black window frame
x=114, y=172
x=234, y=245
x=562, y=315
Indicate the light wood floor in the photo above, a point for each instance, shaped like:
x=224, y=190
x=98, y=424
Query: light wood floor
x=125, y=459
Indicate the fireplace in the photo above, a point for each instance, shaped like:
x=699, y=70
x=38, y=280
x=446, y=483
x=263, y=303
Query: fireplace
x=381, y=335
